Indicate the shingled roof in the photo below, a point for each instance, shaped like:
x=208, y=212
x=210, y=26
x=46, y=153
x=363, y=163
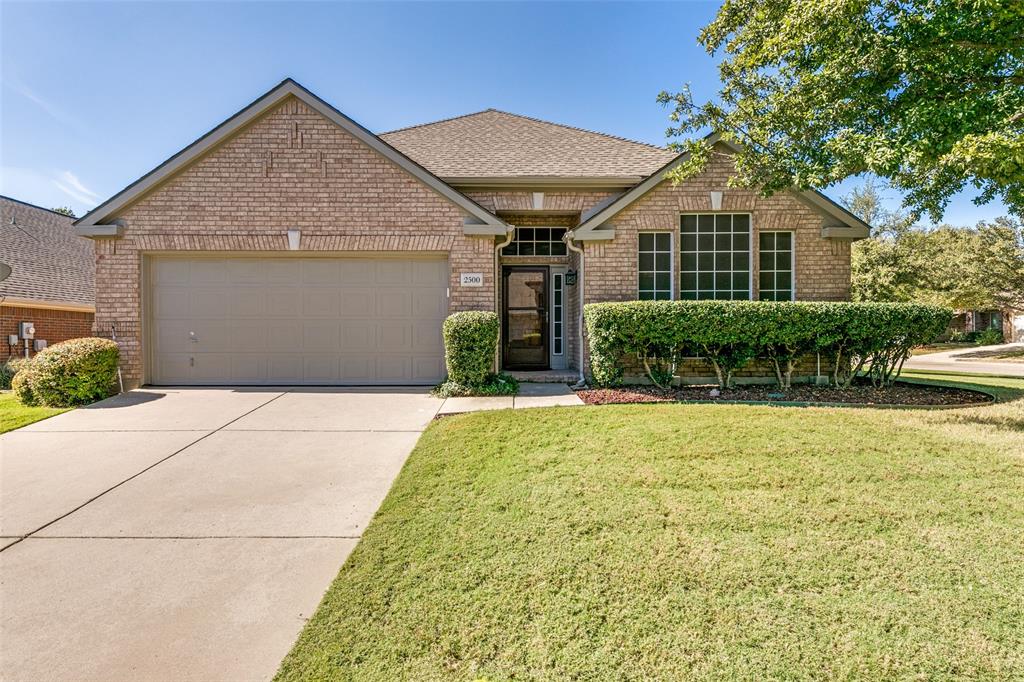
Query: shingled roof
x=49, y=262
x=497, y=144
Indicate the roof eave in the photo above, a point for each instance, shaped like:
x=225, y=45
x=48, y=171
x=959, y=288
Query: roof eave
x=849, y=227
x=543, y=181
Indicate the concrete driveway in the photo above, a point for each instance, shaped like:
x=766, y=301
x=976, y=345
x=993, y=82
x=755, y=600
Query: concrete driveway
x=187, y=534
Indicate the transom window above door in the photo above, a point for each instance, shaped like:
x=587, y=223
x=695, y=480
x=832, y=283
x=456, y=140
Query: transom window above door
x=715, y=256
x=537, y=241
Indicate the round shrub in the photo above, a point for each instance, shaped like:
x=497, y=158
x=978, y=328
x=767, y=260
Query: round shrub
x=9, y=369
x=470, y=341
x=73, y=372
x=21, y=384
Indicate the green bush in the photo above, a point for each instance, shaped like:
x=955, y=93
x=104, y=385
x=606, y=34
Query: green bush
x=989, y=337
x=69, y=373
x=871, y=337
x=22, y=386
x=470, y=341
x=9, y=369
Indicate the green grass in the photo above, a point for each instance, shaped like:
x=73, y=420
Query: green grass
x=669, y=542
x=14, y=415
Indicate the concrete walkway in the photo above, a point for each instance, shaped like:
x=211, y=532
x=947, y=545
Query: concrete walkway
x=530, y=395
x=187, y=534
x=969, y=361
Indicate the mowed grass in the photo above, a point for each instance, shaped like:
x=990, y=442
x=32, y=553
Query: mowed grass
x=667, y=542
x=14, y=415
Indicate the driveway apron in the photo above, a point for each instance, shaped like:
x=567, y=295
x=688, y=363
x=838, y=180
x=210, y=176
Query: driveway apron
x=187, y=534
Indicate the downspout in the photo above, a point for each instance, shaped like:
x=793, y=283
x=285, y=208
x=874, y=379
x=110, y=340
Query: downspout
x=497, y=290
x=582, y=383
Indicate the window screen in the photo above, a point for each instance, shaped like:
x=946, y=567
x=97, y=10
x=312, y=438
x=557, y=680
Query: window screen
x=715, y=257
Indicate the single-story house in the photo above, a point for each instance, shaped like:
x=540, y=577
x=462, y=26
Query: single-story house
x=291, y=245
x=49, y=283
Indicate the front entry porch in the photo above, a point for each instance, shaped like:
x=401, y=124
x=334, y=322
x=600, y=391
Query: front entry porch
x=533, y=318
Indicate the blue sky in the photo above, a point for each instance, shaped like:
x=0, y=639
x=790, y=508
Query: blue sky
x=94, y=95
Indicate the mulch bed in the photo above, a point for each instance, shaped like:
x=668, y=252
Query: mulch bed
x=858, y=394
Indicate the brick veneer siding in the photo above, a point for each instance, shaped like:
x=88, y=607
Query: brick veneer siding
x=822, y=266
x=291, y=168
x=52, y=325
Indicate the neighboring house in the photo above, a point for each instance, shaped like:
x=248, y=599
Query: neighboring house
x=1008, y=322
x=290, y=245
x=51, y=279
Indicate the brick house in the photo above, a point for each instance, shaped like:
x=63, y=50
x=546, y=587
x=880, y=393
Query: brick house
x=290, y=245
x=50, y=284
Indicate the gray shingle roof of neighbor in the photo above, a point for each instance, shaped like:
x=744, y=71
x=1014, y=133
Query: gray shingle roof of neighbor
x=49, y=262
x=497, y=144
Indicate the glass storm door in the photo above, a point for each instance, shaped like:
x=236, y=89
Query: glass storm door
x=525, y=318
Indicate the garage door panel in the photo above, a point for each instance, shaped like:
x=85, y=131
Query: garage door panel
x=284, y=368
x=427, y=368
x=356, y=303
x=171, y=303
x=393, y=272
x=284, y=336
x=297, y=320
x=248, y=367
x=208, y=302
x=394, y=303
x=394, y=368
x=321, y=368
x=286, y=303
x=321, y=271
x=321, y=303
x=208, y=271
x=358, y=272
x=322, y=336
x=212, y=368
x=247, y=302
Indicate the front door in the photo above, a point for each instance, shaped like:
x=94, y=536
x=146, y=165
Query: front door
x=525, y=318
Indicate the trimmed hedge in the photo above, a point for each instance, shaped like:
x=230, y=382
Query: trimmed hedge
x=73, y=372
x=9, y=369
x=470, y=341
x=876, y=337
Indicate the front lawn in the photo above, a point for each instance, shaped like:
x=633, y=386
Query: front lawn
x=14, y=415
x=690, y=542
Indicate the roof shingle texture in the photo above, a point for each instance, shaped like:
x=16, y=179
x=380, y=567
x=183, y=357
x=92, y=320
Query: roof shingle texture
x=496, y=144
x=49, y=262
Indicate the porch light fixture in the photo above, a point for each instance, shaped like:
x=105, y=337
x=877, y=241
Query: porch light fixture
x=293, y=240
x=570, y=278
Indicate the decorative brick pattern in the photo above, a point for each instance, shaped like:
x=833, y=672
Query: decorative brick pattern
x=53, y=325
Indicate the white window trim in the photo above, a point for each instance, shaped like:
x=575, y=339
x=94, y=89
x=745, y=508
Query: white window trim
x=536, y=227
x=560, y=312
x=751, y=245
x=792, y=262
x=671, y=264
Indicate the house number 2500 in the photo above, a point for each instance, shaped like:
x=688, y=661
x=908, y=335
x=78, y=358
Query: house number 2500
x=472, y=279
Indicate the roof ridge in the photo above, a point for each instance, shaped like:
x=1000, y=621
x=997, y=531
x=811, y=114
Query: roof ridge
x=41, y=208
x=579, y=129
x=529, y=118
x=440, y=120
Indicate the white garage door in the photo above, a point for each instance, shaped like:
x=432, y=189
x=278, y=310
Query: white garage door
x=297, y=320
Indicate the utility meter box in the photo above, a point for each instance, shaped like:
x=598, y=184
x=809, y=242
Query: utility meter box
x=39, y=344
x=28, y=330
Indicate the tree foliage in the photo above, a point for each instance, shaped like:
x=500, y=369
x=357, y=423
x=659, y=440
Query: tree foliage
x=965, y=268
x=65, y=210
x=928, y=94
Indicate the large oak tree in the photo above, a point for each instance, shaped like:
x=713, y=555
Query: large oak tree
x=928, y=94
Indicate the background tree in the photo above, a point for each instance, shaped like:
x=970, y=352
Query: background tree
x=966, y=268
x=65, y=210
x=928, y=94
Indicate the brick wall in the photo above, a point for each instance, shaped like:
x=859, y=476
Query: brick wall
x=291, y=168
x=52, y=325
